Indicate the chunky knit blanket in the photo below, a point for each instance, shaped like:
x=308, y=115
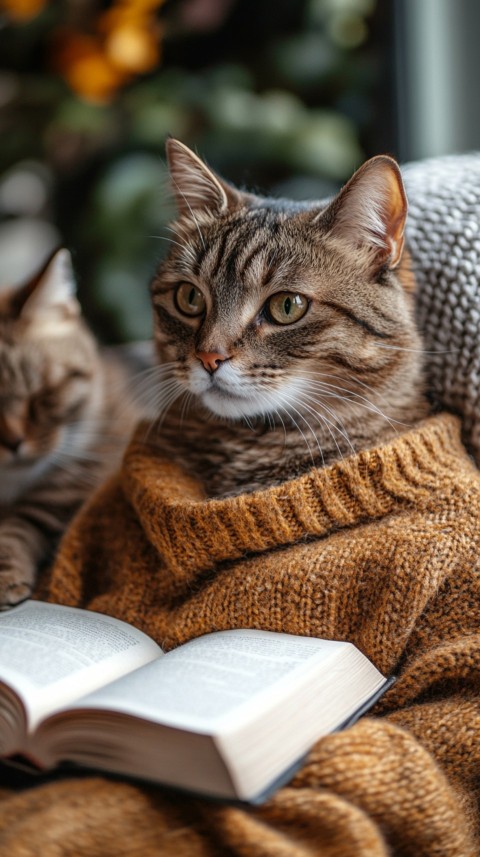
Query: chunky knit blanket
x=443, y=236
x=380, y=549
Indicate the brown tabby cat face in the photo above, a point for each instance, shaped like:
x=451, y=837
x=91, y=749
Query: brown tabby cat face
x=259, y=300
x=47, y=362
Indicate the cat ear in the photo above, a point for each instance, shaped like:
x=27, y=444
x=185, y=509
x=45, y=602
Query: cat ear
x=370, y=211
x=51, y=291
x=195, y=186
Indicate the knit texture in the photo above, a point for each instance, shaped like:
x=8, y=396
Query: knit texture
x=380, y=549
x=443, y=236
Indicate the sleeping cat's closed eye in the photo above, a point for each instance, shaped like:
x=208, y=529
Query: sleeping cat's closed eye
x=78, y=375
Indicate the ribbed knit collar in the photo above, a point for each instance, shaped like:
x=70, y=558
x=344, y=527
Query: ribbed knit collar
x=193, y=534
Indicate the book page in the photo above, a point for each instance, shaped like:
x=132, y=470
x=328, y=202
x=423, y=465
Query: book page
x=212, y=677
x=51, y=655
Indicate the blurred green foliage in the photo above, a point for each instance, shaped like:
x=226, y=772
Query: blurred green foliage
x=274, y=95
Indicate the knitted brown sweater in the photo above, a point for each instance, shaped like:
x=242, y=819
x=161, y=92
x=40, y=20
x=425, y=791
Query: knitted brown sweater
x=380, y=549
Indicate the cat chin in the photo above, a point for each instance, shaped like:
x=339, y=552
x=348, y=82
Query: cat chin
x=231, y=407
x=231, y=397
x=237, y=407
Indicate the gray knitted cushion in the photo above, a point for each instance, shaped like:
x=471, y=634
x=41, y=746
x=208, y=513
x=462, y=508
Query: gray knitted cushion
x=443, y=236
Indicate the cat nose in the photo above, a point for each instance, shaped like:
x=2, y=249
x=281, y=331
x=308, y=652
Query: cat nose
x=211, y=359
x=12, y=432
x=12, y=442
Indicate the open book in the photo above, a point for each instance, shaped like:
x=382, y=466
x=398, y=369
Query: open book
x=228, y=714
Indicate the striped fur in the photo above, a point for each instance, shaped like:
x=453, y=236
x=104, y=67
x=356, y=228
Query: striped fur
x=63, y=421
x=344, y=377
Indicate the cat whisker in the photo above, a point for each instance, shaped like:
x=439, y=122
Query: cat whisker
x=349, y=378
x=359, y=400
x=328, y=424
x=163, y=391
x=188, y=251
x=93, y=428
x=353, y=379
x=186, y=406
x=322, y=419
x=179, y=232
x=290, y=405
x=368, y=407
x=249, y=423
x=156, y=397
x=337, y=424
x=278, y=414
x=85, y=455
x=191, y=212
x=153, y=380
x=333, y=414
x=417, y=350
x=79, y=441
x=298, y=428
x=86, y=478
x=167, y=404
x=85, y=433
x=148, y=376
x=157, y=367
x=167, y=238
x=144, y=387
x=163, y=404
x=271, y=424
x=78, y=468
x=78, y=435
x=73, y=442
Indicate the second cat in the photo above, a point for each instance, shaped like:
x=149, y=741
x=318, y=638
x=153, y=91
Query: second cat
x=65, y=416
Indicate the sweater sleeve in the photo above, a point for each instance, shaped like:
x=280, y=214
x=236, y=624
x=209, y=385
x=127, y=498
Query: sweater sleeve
x=82, y=547
x=104, y=561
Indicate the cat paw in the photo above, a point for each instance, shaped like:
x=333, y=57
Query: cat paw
x=13, y=594
x=16, y=581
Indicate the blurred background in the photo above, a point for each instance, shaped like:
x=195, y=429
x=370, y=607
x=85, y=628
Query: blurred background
x=281, y=96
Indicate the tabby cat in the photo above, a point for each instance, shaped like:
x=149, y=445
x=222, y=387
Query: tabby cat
x=63, y=420
x=285, y=331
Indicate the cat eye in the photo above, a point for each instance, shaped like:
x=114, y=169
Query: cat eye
x=78, y=375
x=286, y=307
x=189, y=300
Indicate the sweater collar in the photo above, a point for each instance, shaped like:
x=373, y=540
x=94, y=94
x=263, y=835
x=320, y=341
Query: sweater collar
x=193, y=534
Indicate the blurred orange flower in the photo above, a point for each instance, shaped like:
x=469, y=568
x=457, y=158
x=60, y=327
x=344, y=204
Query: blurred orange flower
x=82, y=63
x=132, y=35
x=22, y=10
x=112, y=47
x=133, y=48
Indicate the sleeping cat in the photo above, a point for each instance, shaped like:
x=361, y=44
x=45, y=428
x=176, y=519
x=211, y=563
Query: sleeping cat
x=63, y=420
x=285, y=330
